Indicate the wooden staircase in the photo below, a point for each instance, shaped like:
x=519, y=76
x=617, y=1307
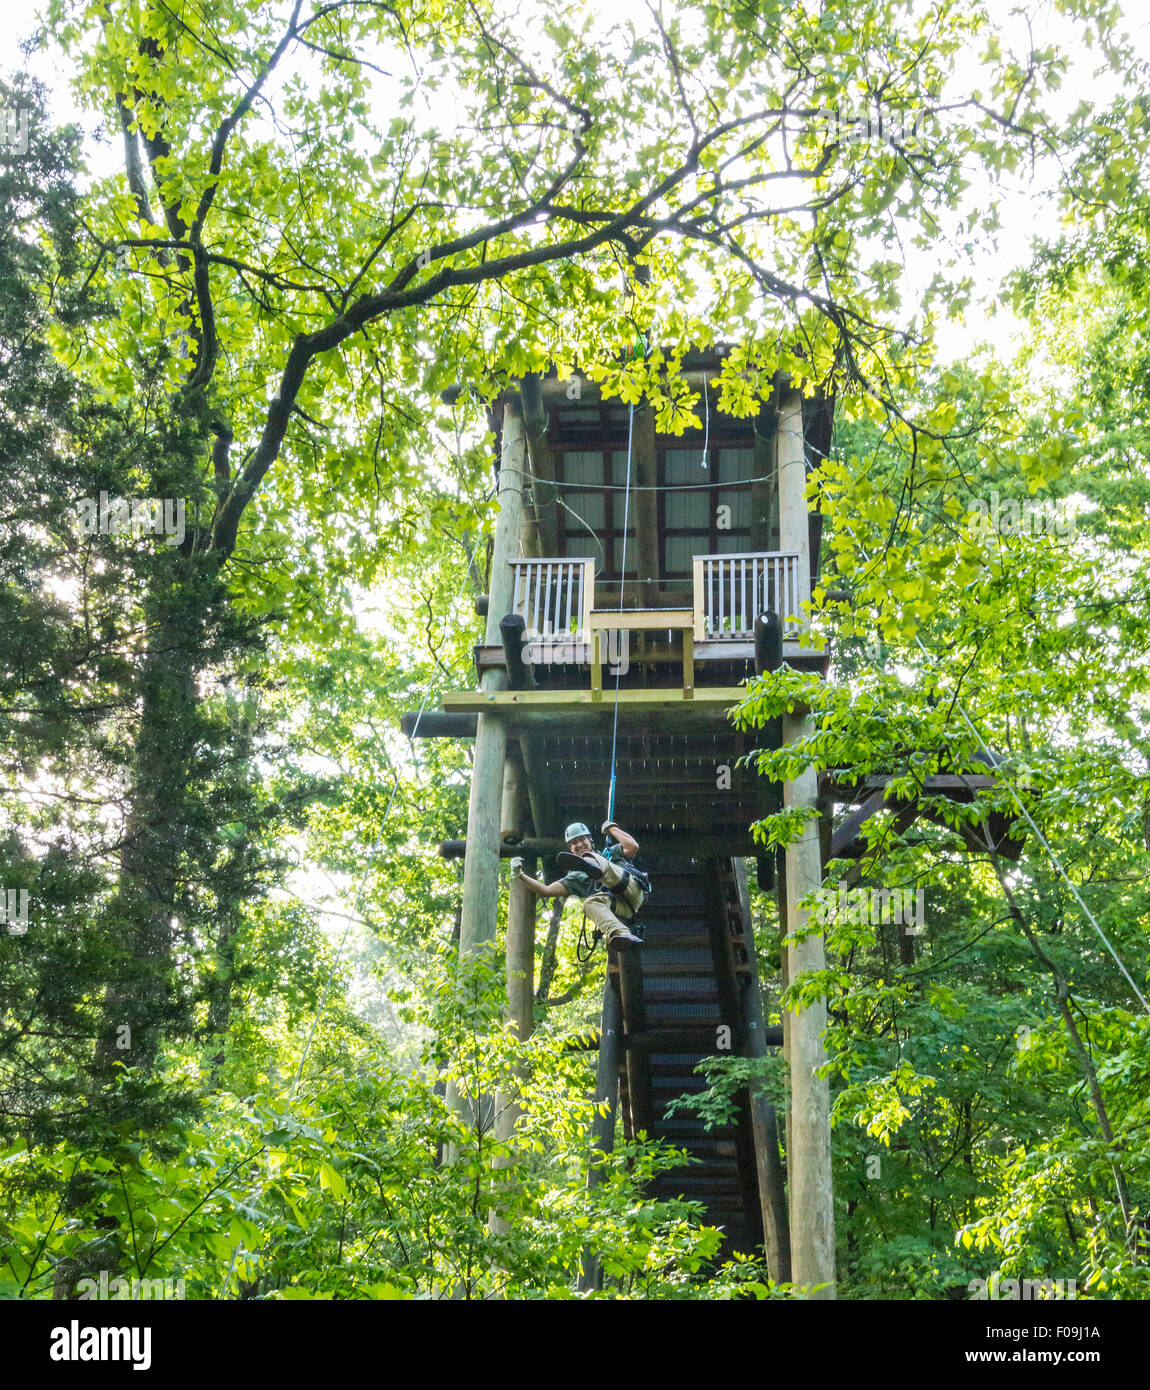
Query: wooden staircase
x=689, y=993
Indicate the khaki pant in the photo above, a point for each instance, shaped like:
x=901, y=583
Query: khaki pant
x=598, y=910
x=613, y=876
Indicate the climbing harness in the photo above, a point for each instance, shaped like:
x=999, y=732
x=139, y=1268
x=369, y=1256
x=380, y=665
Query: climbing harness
x=630, y=893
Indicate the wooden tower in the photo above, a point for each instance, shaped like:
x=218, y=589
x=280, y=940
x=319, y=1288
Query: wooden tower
x=720, y=550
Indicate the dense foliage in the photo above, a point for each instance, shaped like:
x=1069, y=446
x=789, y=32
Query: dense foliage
x=232, y=1023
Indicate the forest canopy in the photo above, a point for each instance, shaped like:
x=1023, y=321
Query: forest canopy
x=271, y=283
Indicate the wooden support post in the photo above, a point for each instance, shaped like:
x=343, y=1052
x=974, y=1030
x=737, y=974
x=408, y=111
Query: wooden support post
x=606, y=1094
x=520, y=965
x=481, y=865
x=768, y=643
x=809, y=1136
x=520, y=944
x=765, y=493
x=520, y=674
x=522, y=938
x=772, y=1191
x=521, y=956
x=521, y=906
x=645, y=504
x=542, y=463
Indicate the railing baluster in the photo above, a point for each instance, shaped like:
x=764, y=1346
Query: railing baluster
x=779, y=580
x=781, y=586
x=708, y=603
x=782, y=569
x=552, y=599
x=733, y=598
x=732, y=590
x=535, y=599
x=743, y=624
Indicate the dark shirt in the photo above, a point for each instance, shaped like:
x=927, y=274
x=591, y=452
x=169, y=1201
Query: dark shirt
x=583, y=885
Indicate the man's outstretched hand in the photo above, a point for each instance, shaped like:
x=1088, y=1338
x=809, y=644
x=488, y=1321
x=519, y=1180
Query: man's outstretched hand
x=516, y=867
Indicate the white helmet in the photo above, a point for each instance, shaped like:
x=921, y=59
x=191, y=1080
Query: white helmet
x=575, y=831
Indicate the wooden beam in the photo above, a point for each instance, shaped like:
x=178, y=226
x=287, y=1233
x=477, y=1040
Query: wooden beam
x=567, y=713
x=847, y=833
x=801, y=658
x=942, y=783
x=708, y=699
x=580, y=390
x=687, y=844
x=640, y=619
x=435, y=724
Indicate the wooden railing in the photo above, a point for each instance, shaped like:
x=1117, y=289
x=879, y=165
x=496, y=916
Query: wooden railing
x=554, y=596
x=732, y=590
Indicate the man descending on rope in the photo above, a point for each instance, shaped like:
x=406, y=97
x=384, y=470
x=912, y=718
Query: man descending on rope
x=608, y=886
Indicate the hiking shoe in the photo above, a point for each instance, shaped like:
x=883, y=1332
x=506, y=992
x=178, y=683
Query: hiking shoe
x=575, y=863
x=624, y=941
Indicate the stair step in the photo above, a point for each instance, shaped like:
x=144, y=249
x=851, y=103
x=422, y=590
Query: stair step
x=679, y=989
x=678, y=1125
x=700, y=1189
x=668, y=955
x=656, y=967
x=711, y=1150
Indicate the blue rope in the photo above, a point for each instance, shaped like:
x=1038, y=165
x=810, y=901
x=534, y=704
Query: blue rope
x=622, y=581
